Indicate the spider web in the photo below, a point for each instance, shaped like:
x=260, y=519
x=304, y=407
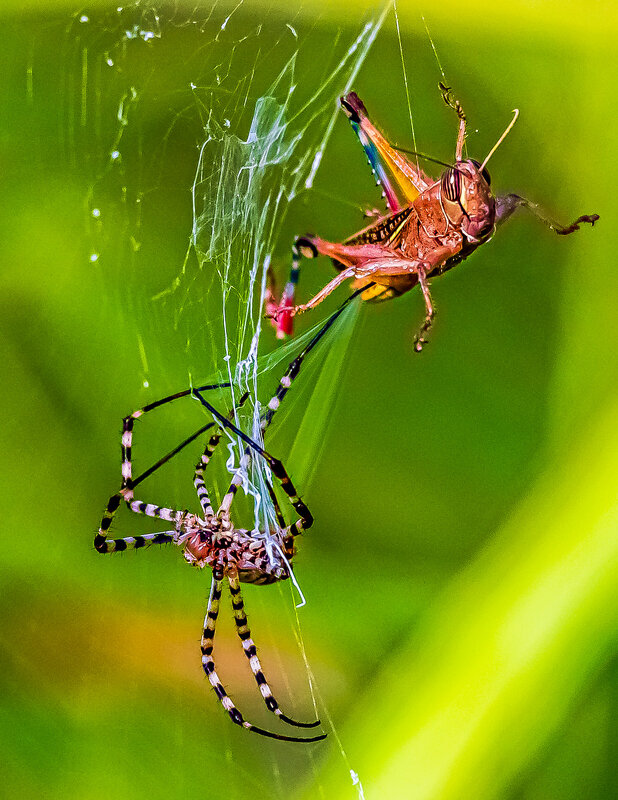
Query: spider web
x=241, y=128
x=260, y=138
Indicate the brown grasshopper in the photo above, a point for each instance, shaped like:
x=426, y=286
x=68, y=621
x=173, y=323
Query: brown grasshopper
x=439, y=224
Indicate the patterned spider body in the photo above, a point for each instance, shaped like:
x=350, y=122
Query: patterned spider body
x=236, y=551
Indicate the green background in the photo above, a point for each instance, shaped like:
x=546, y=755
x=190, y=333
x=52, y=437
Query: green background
x=461, y=573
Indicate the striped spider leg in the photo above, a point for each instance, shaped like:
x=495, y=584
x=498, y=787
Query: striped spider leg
x=235, y=555
x=260, y=570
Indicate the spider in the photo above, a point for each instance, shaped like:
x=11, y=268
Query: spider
x=235, y=555
x=436, y=226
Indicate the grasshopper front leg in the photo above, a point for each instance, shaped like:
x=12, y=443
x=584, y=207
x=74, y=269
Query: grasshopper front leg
x=506, y=205
x=419, y=339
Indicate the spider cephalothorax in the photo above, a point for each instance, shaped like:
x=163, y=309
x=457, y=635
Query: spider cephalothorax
x=254, y=558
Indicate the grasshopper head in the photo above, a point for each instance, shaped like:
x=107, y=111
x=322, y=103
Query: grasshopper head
x=467, y=200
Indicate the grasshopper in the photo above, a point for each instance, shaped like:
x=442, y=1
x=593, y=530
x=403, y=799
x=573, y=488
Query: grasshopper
x=436, y=226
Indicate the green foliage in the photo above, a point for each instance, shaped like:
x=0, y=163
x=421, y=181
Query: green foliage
x=460, y=577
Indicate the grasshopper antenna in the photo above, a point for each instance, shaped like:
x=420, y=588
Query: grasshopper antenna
x=420, y=155
x=501, y=139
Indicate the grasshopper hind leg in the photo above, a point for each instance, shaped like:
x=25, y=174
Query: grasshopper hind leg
x=280, y=310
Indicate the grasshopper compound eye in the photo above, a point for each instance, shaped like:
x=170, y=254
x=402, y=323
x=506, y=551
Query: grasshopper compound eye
x=451, y=184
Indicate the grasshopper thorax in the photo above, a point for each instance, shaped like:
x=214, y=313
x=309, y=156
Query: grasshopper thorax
x=467, y=200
